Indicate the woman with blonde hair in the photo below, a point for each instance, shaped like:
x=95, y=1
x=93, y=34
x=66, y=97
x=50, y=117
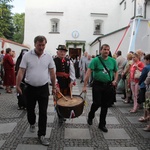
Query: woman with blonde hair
x=141, y=55
x=126, y=77
x=114, y=56
x=137, y=65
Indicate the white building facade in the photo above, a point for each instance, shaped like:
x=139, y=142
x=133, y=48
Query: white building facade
x=134, y=29
x=79, y=24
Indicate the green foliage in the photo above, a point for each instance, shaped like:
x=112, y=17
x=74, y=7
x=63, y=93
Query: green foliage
x=6, y=24
x=18, y=21
x=11, y=25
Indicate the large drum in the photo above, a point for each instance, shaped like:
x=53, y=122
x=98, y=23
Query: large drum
x=70, y=108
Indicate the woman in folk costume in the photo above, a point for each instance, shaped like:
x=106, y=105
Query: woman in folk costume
x=65, y=74
x=137, y=65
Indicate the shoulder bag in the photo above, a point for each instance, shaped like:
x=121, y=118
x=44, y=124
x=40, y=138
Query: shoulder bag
x=105, y=67
x=112, y=87
x=137, y=74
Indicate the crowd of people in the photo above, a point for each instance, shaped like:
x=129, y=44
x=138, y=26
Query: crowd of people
x=34, y=70
x=134, y=73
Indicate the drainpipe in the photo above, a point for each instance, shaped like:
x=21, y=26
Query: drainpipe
x=145, y=4
x=99, y=45
x=134, y=9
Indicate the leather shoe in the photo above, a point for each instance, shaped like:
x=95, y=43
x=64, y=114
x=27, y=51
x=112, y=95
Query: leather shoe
x=104, y=129
x=43, y=141
x=89, y=121
x=32, y=128
x=147, y=128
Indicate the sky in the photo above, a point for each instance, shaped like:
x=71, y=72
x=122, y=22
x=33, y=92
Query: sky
x=19, y=6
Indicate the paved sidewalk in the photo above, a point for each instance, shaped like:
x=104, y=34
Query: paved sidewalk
x=124, y=130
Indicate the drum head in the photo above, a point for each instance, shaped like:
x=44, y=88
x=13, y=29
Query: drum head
x=76, y=100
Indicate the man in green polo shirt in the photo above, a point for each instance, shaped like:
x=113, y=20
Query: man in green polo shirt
x=105, y=75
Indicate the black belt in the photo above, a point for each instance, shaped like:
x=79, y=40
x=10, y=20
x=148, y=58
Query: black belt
x=36, y=86
x=102, y=83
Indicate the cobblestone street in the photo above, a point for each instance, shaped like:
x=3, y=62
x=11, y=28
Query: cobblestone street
x=124, y=130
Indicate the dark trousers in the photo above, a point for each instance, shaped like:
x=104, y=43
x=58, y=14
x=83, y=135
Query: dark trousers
x=141, y=96
x=103, y=113
x=40, y=95
x=103, y=94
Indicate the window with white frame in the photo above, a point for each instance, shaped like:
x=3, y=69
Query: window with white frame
x=54, y=25
x=97, y=26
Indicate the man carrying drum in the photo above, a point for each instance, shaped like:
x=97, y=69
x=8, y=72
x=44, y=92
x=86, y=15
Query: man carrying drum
x=65, y=74
x=105, y=75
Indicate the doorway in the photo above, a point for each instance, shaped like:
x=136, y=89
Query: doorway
x=74, y=52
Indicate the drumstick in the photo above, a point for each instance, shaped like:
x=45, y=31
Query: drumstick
x=62, y=95
x=81, y=93
x=71, y=92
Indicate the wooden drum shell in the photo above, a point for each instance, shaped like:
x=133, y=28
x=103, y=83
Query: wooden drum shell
x=66, y=111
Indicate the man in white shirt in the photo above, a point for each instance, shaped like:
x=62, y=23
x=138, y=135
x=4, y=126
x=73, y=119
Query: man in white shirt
x=38, y=68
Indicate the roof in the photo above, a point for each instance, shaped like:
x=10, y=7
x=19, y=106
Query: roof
x=12, y=42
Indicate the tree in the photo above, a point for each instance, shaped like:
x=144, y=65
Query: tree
x=18, y=22
x=11, y=25
x=6, y=24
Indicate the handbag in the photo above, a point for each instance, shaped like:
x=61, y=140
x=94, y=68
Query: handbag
x=121, y=85
x=137, y=74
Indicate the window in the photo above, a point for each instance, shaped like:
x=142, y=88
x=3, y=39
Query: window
x=97, y=27
x=55, y=25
